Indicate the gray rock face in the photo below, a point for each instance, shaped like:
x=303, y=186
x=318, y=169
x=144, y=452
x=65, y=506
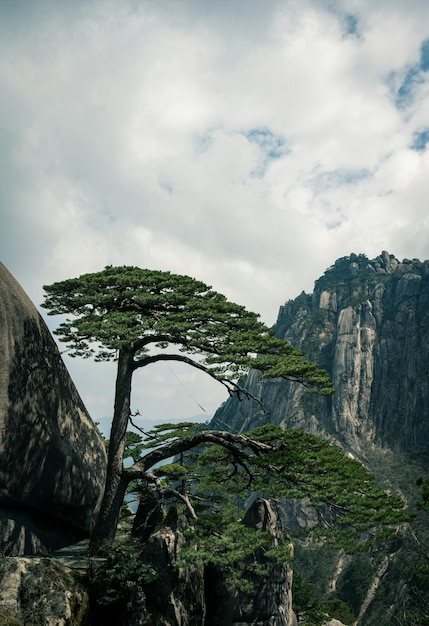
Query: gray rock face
x=270, y=602
x=367, y=323
x=177, y=595
x=52, y=457
x=39, y=591
x=45, y=591
x=203, y=597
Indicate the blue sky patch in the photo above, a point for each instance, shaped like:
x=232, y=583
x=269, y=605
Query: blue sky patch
x=414, y=76
x=405, y=94
x=337, y=178
x=424, y=56
x=274, y=146
x=350, y=25
x=420, y=140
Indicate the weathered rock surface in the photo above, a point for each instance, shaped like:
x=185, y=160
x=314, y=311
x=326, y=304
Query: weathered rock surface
x=178, y=594
x=45, y=591
x=367, y=323
x=40, y=592
x=270, y=602
x=52, y=457
x=197, y=597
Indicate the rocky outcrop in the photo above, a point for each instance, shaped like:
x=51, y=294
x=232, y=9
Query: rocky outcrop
x=52, y=457
x=47, y=591
x=197, y=596
x=178, y=594
x=270, y=601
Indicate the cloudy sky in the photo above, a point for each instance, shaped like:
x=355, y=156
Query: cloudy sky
x=248, y=143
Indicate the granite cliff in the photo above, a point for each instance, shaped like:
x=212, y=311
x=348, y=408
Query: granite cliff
x=367, y=323
x=52, y=457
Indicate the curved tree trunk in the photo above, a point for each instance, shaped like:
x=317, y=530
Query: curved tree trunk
x=116, y=480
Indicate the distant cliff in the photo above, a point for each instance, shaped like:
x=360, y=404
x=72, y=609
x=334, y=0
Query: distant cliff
x=367, y=323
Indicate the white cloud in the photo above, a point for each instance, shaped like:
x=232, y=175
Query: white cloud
x=247, y=144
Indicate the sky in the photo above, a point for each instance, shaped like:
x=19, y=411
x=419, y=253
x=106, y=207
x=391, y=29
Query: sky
x=247, y=143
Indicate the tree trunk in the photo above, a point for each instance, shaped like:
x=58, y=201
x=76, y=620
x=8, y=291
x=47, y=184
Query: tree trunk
x=116, y=480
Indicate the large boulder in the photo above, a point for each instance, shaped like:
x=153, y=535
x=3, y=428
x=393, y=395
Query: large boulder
x=52, y=457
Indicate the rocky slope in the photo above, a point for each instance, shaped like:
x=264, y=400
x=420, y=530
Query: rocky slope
x=367, y=323
x=52, y=457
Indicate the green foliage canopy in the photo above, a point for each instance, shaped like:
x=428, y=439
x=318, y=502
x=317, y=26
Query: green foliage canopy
x=128, y=308
x=352, y=509
x=131, y=315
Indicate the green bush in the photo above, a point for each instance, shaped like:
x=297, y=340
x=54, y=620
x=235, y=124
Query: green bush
x=340, y=611
x=308, y=609
x=353, y=585
x=123, y=569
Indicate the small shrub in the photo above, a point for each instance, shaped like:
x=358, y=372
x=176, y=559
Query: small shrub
x=340, y=611
x=123, y=569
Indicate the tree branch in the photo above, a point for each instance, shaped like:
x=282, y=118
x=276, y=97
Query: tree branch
x=236, y=444
x=155, y=358
x=151, y=478
x=231, y=386
x=140, y=343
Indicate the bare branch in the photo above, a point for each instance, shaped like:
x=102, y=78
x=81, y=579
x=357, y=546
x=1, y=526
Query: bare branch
x=143, y=432
x=231, y=386
x=163, y=490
